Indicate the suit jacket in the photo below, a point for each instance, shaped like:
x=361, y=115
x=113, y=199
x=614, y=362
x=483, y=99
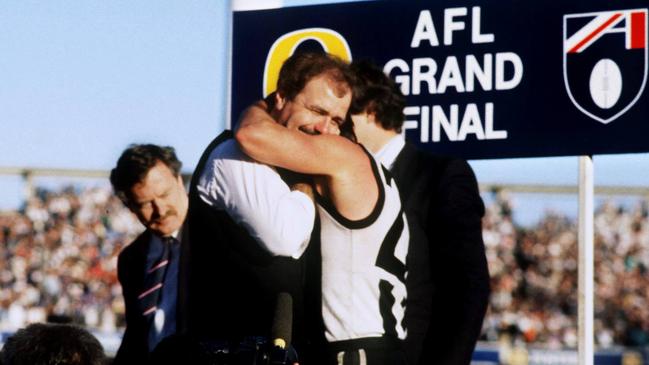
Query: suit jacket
x=448, y=278
x=130, y=272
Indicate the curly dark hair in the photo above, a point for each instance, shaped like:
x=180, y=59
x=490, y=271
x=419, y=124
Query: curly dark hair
x=375, y=92
x=136, y=161
x=300, y=68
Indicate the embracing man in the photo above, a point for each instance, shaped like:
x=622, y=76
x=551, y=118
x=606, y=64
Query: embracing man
x=361, y=230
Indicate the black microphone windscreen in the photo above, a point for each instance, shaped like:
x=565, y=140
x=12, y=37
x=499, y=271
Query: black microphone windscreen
x=283, y=320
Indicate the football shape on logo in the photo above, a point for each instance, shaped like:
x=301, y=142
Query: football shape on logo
x=605, y=83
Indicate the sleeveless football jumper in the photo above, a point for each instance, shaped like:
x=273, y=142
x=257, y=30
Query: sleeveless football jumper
x=364, y=267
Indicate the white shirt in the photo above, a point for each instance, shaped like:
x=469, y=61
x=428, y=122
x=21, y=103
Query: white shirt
x=389, y=152
x=256, y=197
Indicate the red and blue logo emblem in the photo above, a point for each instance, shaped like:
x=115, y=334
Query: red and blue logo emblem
x=605, y=61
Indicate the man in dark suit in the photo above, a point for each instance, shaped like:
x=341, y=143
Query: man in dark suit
x=448, y=278
x=147, y=180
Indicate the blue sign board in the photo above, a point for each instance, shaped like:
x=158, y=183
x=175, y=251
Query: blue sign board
x=482, y=79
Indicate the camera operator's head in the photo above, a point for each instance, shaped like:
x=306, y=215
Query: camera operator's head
x=52, y=344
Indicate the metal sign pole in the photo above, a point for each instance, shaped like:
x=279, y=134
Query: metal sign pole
x=586, y=261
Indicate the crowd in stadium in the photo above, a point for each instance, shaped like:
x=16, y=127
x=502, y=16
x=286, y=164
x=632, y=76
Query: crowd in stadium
x=534, y=276
x=59, y=251
x=58, y=259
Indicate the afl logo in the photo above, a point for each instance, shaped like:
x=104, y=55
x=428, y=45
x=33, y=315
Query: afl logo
x=605, y=61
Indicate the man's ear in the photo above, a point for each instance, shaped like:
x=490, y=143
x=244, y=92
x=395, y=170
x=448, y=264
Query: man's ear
x=371, y=117
x=373, y=120
x=367, y=117
x=280, y=101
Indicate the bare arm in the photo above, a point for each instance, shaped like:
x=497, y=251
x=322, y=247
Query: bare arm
x=350, y=181
x=265, y=140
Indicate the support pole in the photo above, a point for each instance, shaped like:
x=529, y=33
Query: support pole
x=28, y=181
x=586, y=261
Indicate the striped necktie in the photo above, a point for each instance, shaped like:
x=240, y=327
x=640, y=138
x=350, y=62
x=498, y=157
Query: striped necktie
x=153, y=281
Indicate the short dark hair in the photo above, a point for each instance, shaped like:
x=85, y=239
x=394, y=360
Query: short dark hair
x=300, y=68
x=52, y=344
x=375, y=92
x=136, y=161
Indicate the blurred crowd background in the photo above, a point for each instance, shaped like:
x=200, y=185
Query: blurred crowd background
x=58, y=261
x=534, y=276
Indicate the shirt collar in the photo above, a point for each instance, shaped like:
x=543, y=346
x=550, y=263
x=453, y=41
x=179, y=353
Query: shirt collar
x=175, y=234
x=161, y=239
x=157, y=246
x=389, y=152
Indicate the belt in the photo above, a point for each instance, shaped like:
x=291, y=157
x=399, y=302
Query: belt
x=364, y=351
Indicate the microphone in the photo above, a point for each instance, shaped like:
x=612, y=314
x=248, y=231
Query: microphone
x=281, y=331
x=282, y=327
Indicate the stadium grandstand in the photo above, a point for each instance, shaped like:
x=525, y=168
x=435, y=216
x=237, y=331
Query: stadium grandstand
x=59, y=252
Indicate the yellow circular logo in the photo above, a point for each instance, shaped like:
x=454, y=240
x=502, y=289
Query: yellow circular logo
x=331, y=41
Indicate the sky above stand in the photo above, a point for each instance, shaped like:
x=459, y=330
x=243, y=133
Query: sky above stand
x=79, y=81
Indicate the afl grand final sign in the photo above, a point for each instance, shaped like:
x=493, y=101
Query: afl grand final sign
x=483, y=79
